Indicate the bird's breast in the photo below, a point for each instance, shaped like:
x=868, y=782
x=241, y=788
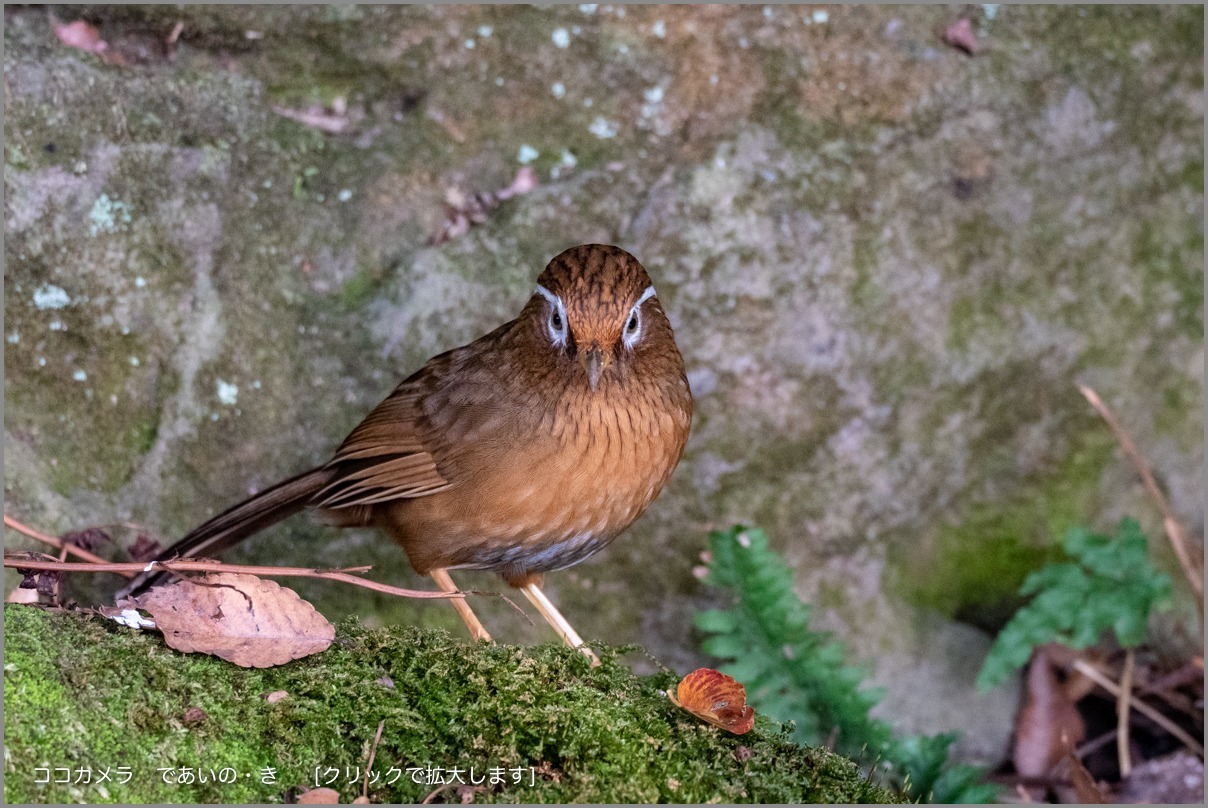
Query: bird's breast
x=587, y=468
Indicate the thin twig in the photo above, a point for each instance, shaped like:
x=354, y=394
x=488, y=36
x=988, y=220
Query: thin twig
x=372, y=754
x=428, y=799
x=1095, y=744
x=1122, y=705
x=58, y=544
x=1174, y=529
x=1162, y=721
x=216, y=566
x=1189, y=672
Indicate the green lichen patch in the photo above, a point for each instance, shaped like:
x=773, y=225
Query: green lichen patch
x=975, y=568
x=80, y=692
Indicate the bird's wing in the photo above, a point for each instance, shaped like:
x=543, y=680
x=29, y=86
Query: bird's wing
x=383, y=458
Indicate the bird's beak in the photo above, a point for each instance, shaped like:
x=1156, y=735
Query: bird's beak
x=595, y=362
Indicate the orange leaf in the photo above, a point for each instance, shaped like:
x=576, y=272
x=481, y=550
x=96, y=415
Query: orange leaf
x=716, y=698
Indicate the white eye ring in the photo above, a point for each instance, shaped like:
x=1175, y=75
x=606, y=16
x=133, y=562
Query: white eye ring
x=633, y=325
x=555, y=324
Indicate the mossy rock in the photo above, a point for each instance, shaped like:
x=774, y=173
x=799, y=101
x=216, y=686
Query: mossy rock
x=83, y=693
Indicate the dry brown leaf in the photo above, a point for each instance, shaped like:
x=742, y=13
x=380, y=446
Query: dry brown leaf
x=1048, y=714
x=275, y=696
x=320, y=796
x=44, y=582
x=716, y=698
x=195, y=715
x=144, y=548
x=1085, y=787
x=90, y=538
x=80, y=34
x=960, y=36
x=249, y=621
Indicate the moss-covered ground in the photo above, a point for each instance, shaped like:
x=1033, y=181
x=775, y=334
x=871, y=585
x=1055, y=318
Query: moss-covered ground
x=81, y=693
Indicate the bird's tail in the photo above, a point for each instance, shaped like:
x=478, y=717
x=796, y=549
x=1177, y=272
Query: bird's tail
x=235, y=524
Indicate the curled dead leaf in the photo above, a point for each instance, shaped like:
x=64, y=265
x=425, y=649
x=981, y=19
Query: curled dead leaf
x=44, y=582
x=80, y=34
x=320, y=796
x=243, y=619
x=716, y=698
x=90, y=538
x=1048, y=715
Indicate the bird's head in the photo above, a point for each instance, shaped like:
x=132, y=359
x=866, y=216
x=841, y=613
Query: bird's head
x=595, y=305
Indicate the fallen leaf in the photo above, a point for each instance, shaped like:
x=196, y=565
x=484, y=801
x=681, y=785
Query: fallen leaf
x=249, y=621
x=960, y=36
x=320, y=796
x=80, y=34
x=1085, y=787
x=716, y=698
x=275, y=696
x=144, y=548
x=1048, y=714
x=386, y=681
x=195, y=715
x=89, y=538
x=20, y=595
x=45, y=582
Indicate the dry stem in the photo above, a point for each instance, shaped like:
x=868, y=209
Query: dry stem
x=1122, y=705
x=58, y=544
x=1165, y=723
x=216, y=566
x=1174, y=529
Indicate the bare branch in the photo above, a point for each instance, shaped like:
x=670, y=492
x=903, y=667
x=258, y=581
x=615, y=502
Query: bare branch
x=342, y=575
x=59, y=544
x=1174, y=529
x=1105, y=682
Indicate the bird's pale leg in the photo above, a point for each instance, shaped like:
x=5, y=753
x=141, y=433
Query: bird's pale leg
x=445, y=582
x=565, y=630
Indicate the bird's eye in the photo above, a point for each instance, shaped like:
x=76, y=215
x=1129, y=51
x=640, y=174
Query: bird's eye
x=633, y=327
x=556, y=323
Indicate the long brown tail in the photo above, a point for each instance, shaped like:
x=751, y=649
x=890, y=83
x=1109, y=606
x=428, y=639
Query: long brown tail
x=235, y=524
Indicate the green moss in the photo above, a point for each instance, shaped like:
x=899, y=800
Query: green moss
x=974, y=569
x=80, y=691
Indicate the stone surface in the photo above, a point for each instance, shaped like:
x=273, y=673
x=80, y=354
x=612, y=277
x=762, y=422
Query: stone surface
x=887, y=263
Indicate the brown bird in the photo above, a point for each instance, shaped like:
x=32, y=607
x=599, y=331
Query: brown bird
x=523, y=452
